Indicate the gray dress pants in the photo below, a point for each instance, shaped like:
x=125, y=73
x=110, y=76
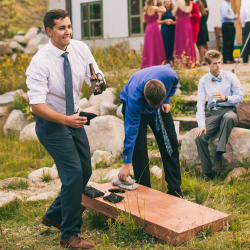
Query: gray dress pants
x=222, y=120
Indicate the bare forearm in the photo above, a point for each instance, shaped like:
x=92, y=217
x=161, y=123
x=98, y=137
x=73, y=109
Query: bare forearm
x=48, y=113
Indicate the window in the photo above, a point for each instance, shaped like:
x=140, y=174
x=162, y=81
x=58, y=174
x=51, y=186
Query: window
x=136, y=26
x=91, y=20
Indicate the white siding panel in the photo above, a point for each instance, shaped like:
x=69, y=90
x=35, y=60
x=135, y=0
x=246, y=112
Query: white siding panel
x=57, y=4
x=214, y=14
x=115, y=18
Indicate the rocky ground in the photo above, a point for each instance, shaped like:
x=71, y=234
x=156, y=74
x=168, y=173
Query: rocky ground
x=105, y=152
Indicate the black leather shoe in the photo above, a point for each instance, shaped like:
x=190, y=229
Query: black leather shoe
x=217, y=163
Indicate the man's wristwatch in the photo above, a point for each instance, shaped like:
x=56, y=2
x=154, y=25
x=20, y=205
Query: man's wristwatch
x=226, y=98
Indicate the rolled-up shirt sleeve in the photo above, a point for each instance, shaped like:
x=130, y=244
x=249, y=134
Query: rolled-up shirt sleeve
x=200, y=114
x=96, y=68
x=37, y=82
x=236, y=91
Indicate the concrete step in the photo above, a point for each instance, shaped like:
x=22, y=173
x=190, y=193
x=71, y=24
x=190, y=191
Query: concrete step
x=186, y=123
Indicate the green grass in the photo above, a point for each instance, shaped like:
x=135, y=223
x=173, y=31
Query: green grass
x=21, y=15
x=18, y=158
x=14, y=185
x=46, y=177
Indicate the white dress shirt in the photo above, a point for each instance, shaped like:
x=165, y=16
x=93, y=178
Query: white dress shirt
x=45, y=75
x=229, y=86
x=245, y=12
x=226, y=13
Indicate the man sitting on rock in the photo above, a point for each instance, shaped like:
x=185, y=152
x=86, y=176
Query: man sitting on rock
x=224, y=93
x=146, y=102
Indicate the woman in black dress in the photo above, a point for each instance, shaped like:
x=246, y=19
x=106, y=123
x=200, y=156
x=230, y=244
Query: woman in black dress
x=167, y=22
x=203, y=31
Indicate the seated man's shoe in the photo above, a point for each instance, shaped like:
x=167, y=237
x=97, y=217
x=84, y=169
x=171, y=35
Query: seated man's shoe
x=217, y=161
x=75, y=242
x=50, y=223
x=208, y=176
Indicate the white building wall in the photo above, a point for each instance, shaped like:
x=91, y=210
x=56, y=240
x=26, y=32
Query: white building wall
x=115, y=18
x=57, y=4
x=214, y=14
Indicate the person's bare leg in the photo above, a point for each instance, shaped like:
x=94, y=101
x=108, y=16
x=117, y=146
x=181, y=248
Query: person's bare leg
x=200, y=48
x=203, y=51
x=197, y=54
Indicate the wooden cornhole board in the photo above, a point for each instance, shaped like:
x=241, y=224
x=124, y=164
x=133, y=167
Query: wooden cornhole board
x=166, y=217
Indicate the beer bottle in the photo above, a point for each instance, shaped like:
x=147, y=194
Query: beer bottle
x=93, y=79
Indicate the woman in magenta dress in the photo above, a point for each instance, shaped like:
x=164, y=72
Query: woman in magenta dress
x=153, y=49
x=184, y=50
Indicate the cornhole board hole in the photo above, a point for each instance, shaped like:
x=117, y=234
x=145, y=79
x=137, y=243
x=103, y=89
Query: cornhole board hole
x=165, y=217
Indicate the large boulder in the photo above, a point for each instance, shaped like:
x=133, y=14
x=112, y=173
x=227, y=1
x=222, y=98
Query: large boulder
x=5, y=48
x=33, y=43
x=16, y=46
x=4, y=111
x=83, y=103
x=106, y=95
x=9, y=97
x=102, y=156
x=13, y=180
x=119, y=111
x=43, y=196
x=37, y=175
x=106, y=133
x=108, y=108
x=15, y=122
x=20, y=39
x=93, y=109
x=30, y=34
x=235, y=173
x=237, y=148
x=29, y=132
x=6, y=198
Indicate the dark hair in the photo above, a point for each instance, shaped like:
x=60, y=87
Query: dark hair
x=154, y=92
x=52, y=15
x=187, y=2
x=202, y=6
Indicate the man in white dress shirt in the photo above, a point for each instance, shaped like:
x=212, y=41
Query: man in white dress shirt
x=224, y=93
x=245, y=22
x=55, y=77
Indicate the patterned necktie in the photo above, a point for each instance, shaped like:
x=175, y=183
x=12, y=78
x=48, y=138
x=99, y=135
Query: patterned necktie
x=160, y=126
x=216, y=79
x=68, y=85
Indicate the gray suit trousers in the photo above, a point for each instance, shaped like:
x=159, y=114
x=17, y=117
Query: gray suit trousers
x=222, y=120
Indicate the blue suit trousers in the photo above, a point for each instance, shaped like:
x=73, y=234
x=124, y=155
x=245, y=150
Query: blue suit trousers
x=69, y=147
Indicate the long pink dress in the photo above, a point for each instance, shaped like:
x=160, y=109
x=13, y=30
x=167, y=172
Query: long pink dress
x=184, y=51
x=153, y=49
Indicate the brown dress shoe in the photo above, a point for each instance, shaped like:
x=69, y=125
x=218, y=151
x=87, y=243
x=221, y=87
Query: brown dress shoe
x=75, y=242
x=50, y=223
x=228, y=62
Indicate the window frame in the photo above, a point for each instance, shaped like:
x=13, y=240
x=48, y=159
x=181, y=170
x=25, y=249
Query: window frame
x=88, y=21
x=142, y=25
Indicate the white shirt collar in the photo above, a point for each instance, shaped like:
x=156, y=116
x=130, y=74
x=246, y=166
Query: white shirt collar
x=57, y=52
x=211, y=75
